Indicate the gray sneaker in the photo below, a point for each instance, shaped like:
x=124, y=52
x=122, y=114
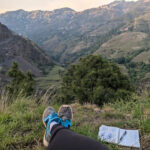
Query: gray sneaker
x=49, y=111
x=65, y=113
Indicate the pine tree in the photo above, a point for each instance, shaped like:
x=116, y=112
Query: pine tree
x=20, y=83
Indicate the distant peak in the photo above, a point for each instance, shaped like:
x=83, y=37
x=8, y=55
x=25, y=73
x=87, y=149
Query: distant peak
x=63, y=9
x=15, y=11
x=20, y=10
x=118, y=1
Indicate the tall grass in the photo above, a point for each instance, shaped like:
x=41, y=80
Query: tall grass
x=4, y=100
x=21, y=126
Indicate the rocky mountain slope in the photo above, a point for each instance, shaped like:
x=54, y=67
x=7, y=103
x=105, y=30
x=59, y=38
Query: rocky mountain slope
x=16, y=48
x=67, y=34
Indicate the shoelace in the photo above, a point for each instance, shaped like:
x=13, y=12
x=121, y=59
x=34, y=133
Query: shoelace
x=51, y=118
x=54, y=117
x=64, y=122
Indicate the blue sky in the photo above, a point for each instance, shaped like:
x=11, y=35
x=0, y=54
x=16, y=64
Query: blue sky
x=78, y=5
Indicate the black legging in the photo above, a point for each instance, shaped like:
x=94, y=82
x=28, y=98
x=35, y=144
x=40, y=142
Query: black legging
x=65, y=139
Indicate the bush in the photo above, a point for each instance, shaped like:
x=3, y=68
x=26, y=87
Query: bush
x=20, y=83
x=94, y=80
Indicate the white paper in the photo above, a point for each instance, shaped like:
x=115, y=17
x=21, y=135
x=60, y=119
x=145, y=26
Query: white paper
x=131, y=139
x=109, y=134
x=119, y=136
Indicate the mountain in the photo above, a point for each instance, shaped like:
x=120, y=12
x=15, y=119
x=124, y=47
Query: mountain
x=65, y=33
x=16, y=48
x=119, y=31
x=131, y=47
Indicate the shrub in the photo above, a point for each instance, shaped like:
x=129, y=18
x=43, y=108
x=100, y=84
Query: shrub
x=20, y=83
x=94, y=80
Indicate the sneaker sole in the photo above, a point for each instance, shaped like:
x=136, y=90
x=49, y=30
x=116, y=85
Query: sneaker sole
x=45, y=143
x=66, y=106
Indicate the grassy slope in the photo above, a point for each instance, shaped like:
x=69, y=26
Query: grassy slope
x=142, y=57
x=21, y=126
x=52, y=78
x=121, y=45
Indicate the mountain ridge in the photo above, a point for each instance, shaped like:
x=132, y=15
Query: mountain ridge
x=15, y=48
x=58, y=28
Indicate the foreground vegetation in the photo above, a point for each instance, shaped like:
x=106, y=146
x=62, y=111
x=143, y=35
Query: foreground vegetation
x=96, y=81
x=21, y=127
x=91, y=81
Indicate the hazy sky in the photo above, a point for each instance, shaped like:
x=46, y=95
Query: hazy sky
x=78, y=5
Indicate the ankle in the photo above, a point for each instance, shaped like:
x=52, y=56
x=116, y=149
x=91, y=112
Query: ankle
x=52, y=125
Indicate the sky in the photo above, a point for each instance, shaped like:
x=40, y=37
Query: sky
x=78, y=5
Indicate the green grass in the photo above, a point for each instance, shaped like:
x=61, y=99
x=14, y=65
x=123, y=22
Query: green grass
x=21, y=126
x=52, y=78
x=147, y=126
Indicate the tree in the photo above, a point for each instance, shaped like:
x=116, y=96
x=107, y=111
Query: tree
x=20, y=83
x=94, y=80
